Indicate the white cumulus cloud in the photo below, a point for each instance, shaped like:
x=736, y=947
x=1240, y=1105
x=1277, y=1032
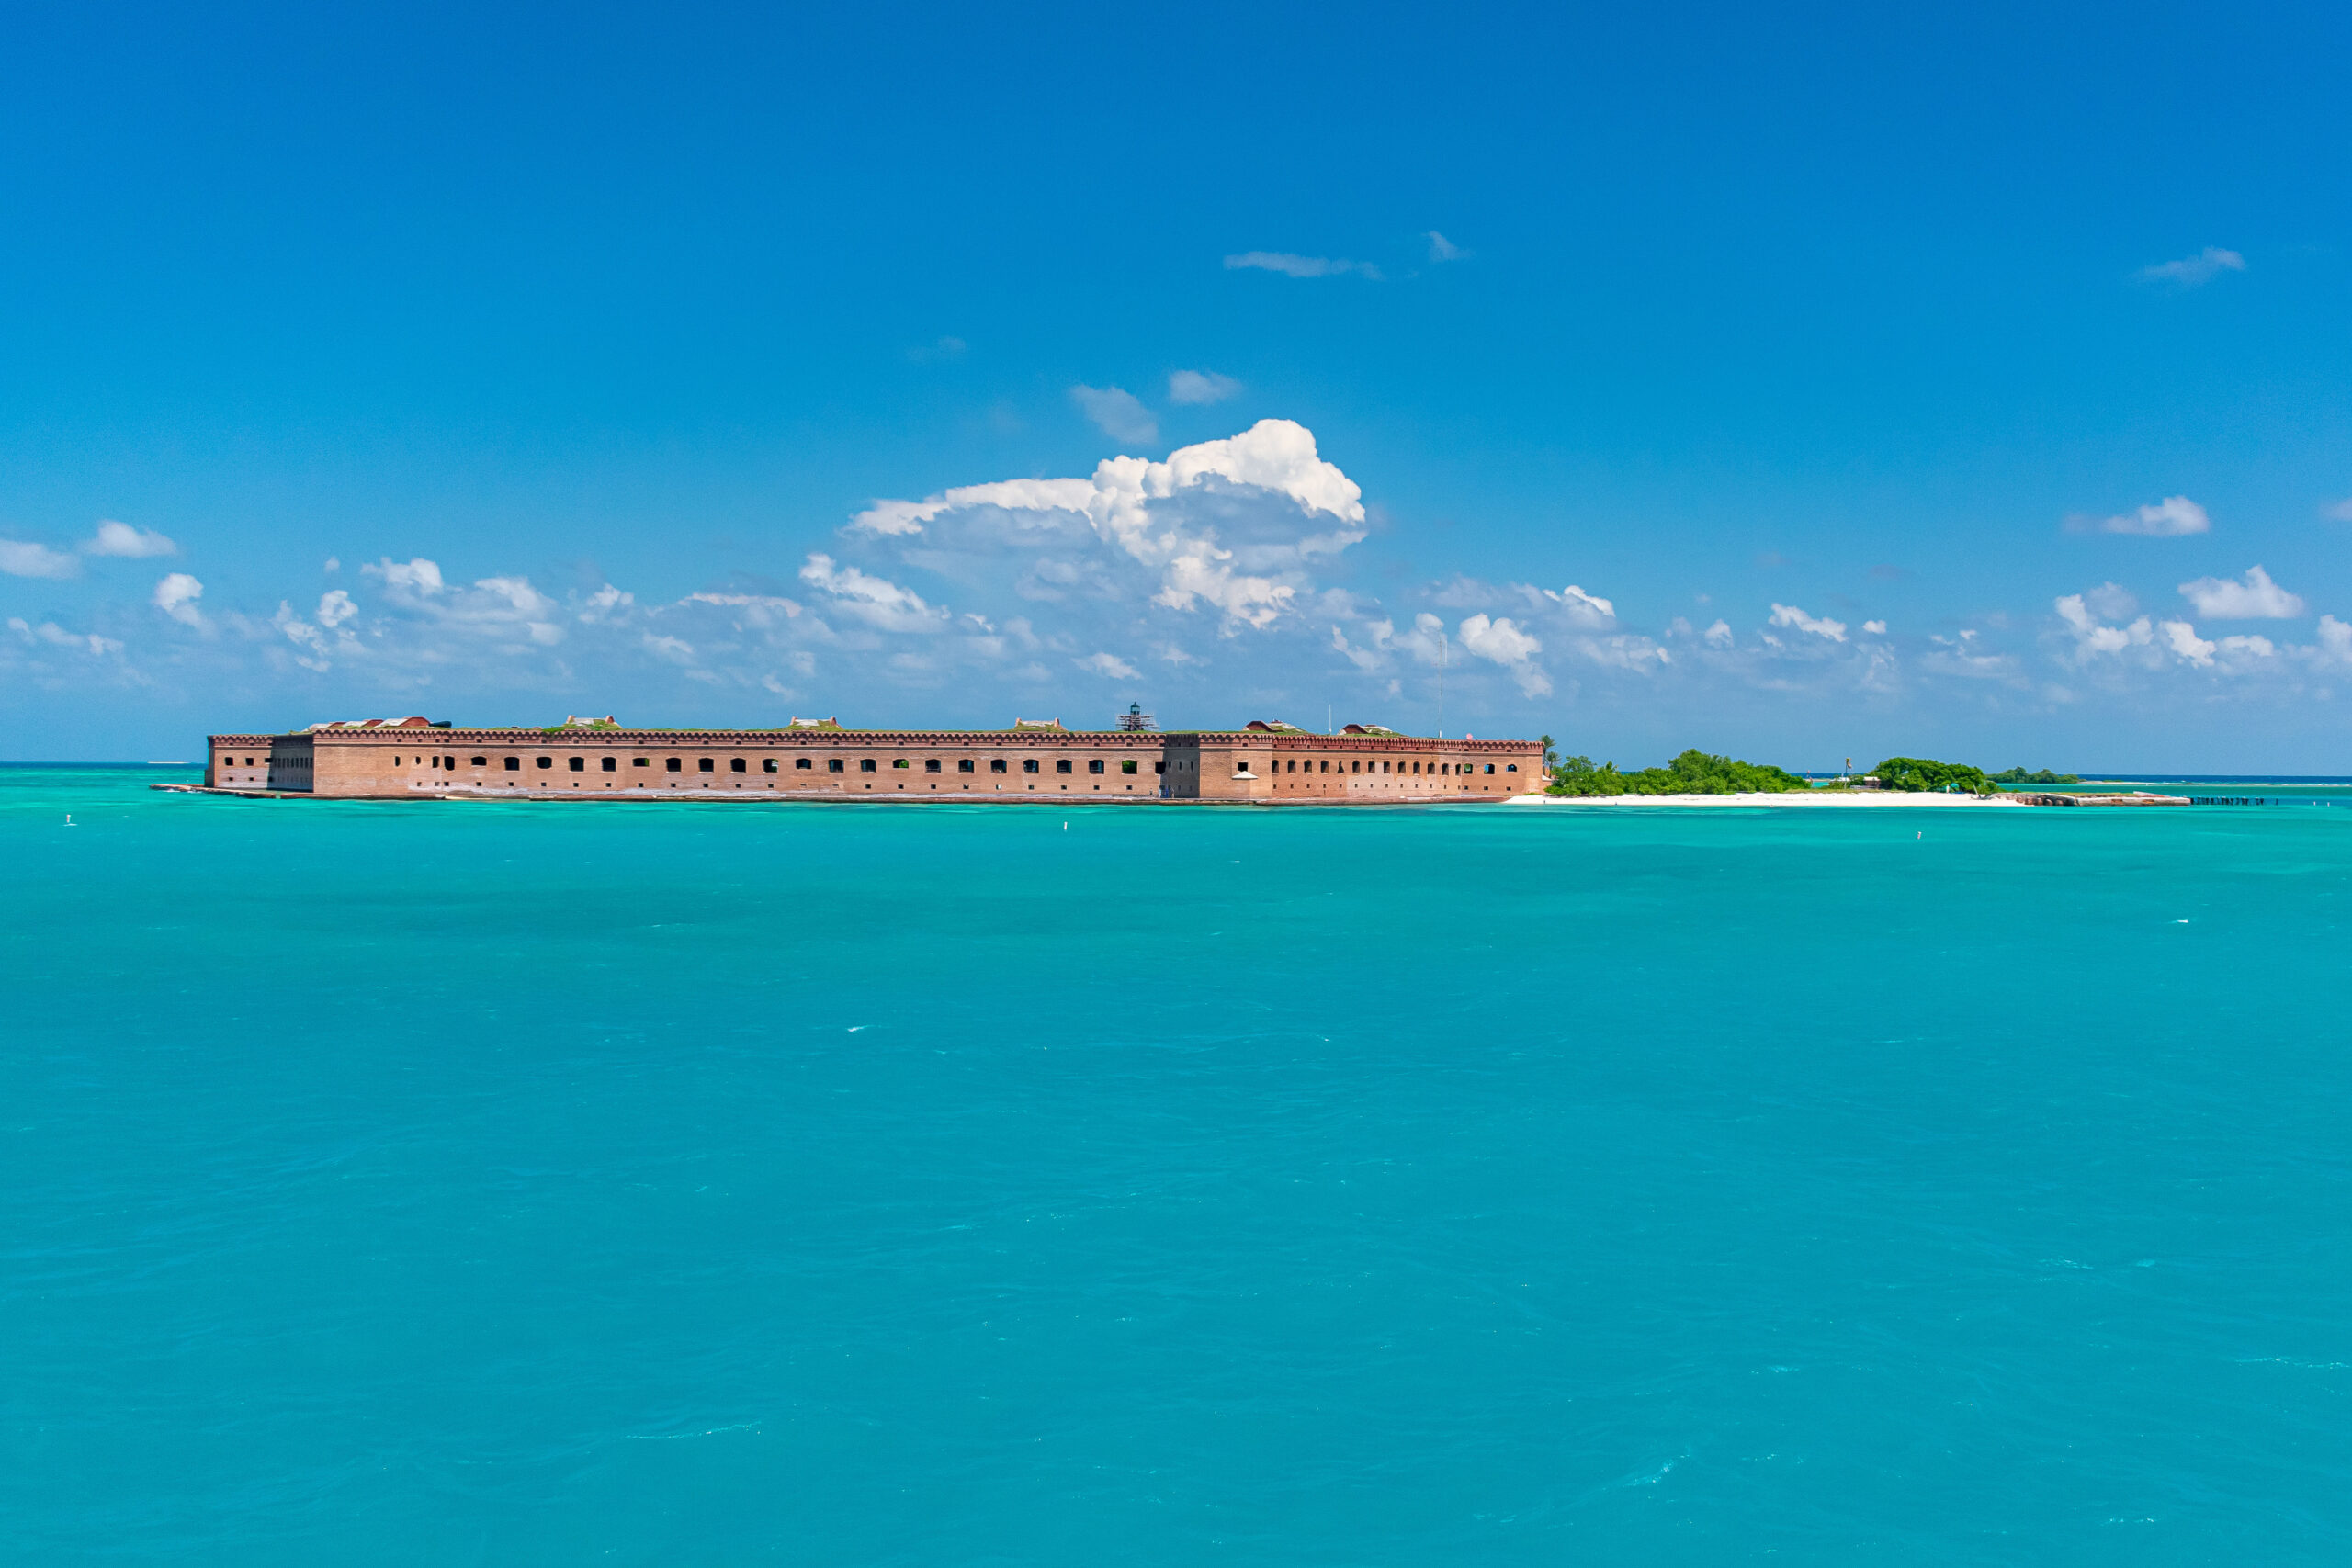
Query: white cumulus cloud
x=1817, y=625
x=2254, y=599
x=2182, y=639
x=1182, y=520
x=1499, y=642
x=1587, y=609
x=1118, y=412
x=419, y=576
x=335, y=607
x=122, y=540
x=177, y=596
x=2169, y=518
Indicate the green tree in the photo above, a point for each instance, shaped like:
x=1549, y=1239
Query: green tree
x=1922, y=775
x=1692, y=772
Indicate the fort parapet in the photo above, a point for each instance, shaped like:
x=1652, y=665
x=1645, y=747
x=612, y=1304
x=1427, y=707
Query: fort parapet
x=1267, y=763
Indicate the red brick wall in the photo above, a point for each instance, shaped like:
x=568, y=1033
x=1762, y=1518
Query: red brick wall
x=913, y=764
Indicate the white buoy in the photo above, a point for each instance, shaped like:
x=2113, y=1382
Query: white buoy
x=69, y=820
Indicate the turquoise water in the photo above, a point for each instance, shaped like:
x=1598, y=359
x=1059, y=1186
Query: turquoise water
x=672, y=1184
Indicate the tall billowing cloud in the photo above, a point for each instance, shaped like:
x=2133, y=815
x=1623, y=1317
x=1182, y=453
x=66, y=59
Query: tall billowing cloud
x=1230, y=524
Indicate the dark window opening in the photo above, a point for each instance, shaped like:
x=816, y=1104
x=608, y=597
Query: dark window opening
x=1061, y=764
x=1126, y=767
x=964, y=764
x=899, y=763
x=767, y=764
x=735, y=764
x=547, y=762
x=514, y=764
x=1093, y=767
x=804, y=763
x=865, y=765
x=833, y=765
x=1511, y=768
x=580, y=765
x=1028, y=764
x=997, y=766
x=1160, y=767
x=611, y=765
x=672, y=764
x=706, y=765
x=639, y=762
x=930, y=765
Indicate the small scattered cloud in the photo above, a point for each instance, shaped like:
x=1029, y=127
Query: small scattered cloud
x=1118, y=414
x=1885, y=572
x=939, y=351
x=1815, y=625
x=2090, y=634
x=55, y=636
x=2182, y=639
x=1291, y=266
x=2341, y=512
x=2170, y=518
x=2111, y=602
x=1876, y=628
x=122, y=540
x=177, y=596
x=18, y=558
x=1718, y=635
x=419, y=576
x=335, y=607
x=1499, y=642
x=1191, y=387
x=876, y=600
x=2335, y=640
x=1109, y=666
x=2190, y=271
x=1589, y=609
x=1444, y=250
x=2257, y=598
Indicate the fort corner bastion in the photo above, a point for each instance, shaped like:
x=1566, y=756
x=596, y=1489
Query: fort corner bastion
x=1263, y=762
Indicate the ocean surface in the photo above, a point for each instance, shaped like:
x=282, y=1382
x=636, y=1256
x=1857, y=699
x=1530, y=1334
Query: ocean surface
x=673, y=1184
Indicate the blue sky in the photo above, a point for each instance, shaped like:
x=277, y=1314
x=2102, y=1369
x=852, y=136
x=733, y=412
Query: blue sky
x=1801, y=384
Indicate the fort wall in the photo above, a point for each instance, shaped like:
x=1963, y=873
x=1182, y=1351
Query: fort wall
x=413, y=761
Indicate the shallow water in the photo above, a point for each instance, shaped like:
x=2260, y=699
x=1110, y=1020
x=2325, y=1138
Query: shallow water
x=473, y=1183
